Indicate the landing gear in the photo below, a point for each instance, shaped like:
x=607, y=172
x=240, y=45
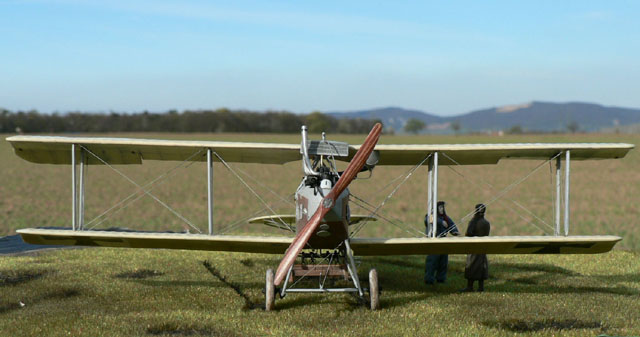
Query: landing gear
x=333, y=265
x=269, y=292
x=374, y=290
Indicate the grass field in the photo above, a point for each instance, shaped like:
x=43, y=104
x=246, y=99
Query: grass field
x=156, y=292
x=123, y=292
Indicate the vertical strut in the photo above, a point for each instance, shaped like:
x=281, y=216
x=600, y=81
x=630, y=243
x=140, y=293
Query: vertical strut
x=351, y=267
x=429, y=194
x=283, y=291
x=566, y=192
x=558, y=195
x=81, y=190
x=74, y=197
x=210, y=189
x=434, y=199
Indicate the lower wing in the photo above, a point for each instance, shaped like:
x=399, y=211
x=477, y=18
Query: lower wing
x=592, y=244
x=228, y=243
x=361, y=246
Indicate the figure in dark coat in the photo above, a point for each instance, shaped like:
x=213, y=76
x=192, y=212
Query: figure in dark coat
x=438, y=264
x=477, y=267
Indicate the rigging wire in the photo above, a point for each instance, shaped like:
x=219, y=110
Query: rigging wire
x=265, y=187
x=252, y=215
x=375, y=211
x=252, y=191
x=131, y=202
x=147, y=192
x=171, y=172
x=361, y=203
x=503, y=192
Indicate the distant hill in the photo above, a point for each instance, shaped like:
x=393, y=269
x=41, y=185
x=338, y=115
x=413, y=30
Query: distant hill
x=533, y=116
x=543, y=116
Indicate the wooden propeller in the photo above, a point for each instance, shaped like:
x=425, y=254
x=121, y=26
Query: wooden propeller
x=327, y=203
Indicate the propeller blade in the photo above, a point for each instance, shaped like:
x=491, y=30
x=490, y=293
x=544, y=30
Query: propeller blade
x=327, y=203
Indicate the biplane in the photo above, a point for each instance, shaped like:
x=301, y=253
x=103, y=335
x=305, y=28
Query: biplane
x=324, y=244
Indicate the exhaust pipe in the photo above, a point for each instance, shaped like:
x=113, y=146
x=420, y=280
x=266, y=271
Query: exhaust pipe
x=306, y=163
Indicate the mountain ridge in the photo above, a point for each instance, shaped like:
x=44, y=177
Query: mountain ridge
x=534, y=116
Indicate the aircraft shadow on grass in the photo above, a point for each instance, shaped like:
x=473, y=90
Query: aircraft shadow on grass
x=529, y=326
x=544, y=280
x=58, y=294
x=505, y=277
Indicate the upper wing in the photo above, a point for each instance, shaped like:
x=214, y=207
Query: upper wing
x=486, y=245
x=360, y=246
x=57, y=150
x=475, y=154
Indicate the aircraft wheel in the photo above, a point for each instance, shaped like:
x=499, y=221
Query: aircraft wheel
x=374, y=290
x=270, y=291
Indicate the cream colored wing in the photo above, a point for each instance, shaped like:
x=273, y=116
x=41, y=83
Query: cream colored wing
x=57, y=150
x=475, y=154
x=360, y=246
x=485, y=245
x=228, y=243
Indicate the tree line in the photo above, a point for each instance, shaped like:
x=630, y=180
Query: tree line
x=220, y=120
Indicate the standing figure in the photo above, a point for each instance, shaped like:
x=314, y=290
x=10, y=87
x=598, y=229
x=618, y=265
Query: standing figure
x=436, y=265
x=477, y=267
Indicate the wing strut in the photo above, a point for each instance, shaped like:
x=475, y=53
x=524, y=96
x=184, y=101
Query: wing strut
x=566, y=192
x=210, y=189
x=567, y=173
x=74, y=189
x=556, y=211
x=434, y=193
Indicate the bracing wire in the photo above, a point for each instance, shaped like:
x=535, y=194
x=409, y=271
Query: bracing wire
x=131, y=202
x=370, y=208
x=246, y=218
x=171, y=172
x=256, y=181
x=375, y=211
x=147, y=192
x=252, y=190
x=503, y=192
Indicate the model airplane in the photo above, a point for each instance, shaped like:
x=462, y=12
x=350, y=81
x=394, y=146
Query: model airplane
x=323, y=244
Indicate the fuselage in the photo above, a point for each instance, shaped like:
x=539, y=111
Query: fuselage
x=334, y=228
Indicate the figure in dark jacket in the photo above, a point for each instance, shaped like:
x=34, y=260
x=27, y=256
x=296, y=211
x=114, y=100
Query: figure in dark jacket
x=477, y=267
x=436, y=265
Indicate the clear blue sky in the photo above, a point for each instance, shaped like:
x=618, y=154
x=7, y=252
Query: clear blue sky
x=441, y=57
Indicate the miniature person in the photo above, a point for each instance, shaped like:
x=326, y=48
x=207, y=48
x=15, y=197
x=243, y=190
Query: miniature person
x=437, y=264
x=477, y=267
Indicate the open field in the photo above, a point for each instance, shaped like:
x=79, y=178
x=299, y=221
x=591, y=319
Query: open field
x=158, y=292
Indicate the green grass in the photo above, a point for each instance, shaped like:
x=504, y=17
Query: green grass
x=125, y=292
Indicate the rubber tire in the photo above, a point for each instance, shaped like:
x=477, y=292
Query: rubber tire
x=374, y=290
x=269, y=291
